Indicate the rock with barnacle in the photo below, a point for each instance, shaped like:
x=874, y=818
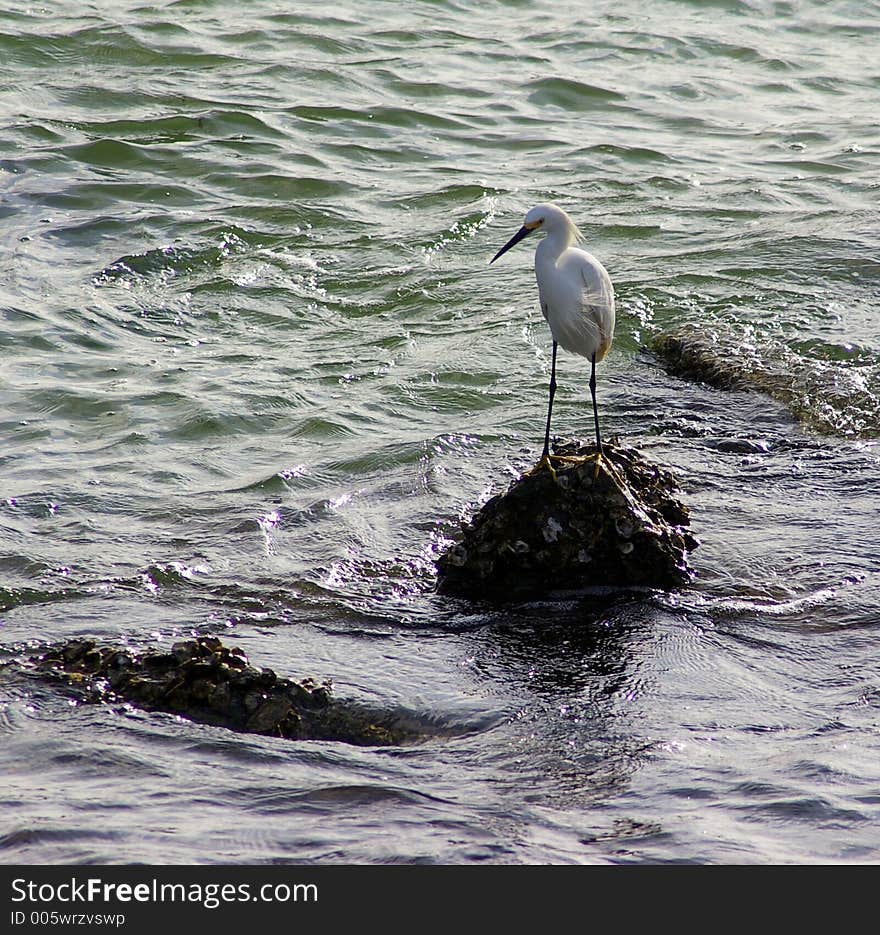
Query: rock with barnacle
x=205, y=681
x=611, y=522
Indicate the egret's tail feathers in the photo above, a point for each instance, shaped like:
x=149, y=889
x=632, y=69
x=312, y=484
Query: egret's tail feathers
x=585, y=334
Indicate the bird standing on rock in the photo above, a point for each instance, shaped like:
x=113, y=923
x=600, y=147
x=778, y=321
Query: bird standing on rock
x=577, y=299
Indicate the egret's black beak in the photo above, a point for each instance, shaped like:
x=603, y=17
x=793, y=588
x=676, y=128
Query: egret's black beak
x=517, y=237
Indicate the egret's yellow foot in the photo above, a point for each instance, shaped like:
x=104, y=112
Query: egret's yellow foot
x=582, y=459
x=577, y=459
x=543, y=464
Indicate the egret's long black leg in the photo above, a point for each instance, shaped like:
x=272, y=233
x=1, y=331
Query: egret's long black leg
x=595, y=407
x=550, y=404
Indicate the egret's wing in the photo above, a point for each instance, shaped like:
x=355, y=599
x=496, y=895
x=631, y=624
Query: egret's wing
x=597, y=289
x=597, y=302
x=577, y=300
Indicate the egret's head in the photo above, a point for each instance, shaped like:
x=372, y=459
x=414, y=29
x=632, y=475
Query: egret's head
x=537, y=216
x=551, y=218
x=547, y=217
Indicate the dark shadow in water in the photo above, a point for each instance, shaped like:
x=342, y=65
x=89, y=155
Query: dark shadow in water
x=568, y=650
x=573, y=669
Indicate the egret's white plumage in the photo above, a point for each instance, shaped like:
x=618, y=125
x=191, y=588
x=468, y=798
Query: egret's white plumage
x=575, y=292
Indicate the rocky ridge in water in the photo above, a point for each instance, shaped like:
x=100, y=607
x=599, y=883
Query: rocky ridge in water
x=205, y=681
x=830, y=397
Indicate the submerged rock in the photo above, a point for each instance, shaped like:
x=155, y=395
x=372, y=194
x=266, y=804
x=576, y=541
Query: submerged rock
x=203, y=680
x=832, y=396
x=695, y=357
x=610, y=522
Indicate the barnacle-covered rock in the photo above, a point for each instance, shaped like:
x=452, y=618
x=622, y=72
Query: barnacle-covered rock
x=612, y=521
x=205, y=681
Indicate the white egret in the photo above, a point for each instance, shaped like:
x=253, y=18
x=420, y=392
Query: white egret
x=576, y=296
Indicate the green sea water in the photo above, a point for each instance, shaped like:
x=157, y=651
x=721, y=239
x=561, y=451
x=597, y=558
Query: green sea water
x=255, y=368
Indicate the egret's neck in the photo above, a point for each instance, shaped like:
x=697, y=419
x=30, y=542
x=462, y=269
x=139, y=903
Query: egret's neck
x=554, y=243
